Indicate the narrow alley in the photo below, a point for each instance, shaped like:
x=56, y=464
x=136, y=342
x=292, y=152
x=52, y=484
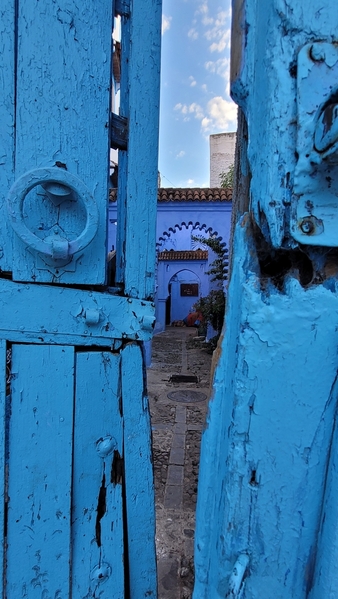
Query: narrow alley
x=178, y=387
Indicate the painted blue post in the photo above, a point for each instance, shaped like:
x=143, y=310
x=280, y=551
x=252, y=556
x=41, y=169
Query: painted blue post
x=266, y=514
x=139, y=167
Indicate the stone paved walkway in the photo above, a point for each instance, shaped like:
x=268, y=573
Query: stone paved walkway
x=177, y=427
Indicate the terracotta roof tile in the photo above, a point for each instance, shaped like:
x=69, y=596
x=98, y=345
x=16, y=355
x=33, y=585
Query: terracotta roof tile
x=187, y=194
x=183, y=255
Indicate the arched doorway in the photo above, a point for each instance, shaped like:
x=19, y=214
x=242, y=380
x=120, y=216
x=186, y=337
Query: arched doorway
x=183, y=291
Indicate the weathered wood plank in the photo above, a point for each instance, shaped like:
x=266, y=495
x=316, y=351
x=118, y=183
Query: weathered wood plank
x=140, y=501
x=3, y=425
x=119, y=132
x=7, y=120
x=63, y=111
x=97, y=534
x=140, y=167
x=324, y=571
x=122, y=7
x=123, y=156
x=271, y=420
x=40, y=471
x=42, y=314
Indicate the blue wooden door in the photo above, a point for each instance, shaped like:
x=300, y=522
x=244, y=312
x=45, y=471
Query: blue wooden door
x=76, y=483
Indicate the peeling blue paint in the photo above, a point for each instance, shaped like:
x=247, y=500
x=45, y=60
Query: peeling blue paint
x=263, y=469
x=76, y=490
x=268, y=482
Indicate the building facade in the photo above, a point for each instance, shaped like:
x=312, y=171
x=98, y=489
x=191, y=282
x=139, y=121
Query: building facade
x=182, y=261
x=222, y=155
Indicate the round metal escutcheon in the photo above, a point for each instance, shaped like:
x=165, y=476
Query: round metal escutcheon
x=54, y=179
x=187, y=396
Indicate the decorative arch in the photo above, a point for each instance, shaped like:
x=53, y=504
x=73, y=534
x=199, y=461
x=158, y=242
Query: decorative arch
x=183, y=269
x=197, y=226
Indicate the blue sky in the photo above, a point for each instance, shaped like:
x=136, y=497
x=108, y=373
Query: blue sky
x=195, y=99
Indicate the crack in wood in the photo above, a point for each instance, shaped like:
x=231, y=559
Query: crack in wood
x=101, y=510
x=117, y=469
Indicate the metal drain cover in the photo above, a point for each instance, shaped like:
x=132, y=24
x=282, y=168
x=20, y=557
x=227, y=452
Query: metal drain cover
x=187, y=396
x=183, y=378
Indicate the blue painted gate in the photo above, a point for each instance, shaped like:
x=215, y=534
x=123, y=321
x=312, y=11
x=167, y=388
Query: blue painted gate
x=77, y=509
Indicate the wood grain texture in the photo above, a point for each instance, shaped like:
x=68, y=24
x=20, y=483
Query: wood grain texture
x=265, y=456
x=3, y=466
x=140, y=165
x=39, y=472
x=63, y=110
x=97, y=515
x=7, y=120
x=140, y=501
x=46, y=314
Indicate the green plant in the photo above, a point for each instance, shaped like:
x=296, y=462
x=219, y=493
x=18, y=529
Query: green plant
x=219, y=267
x=227, y=178
x=212, y=306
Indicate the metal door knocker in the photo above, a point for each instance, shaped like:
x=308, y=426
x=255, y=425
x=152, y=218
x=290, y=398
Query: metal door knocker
x=59, y=186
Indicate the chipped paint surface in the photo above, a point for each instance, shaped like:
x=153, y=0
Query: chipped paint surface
x=267, y=38
x=76, y=483
x=263, y=470
x=268, y=483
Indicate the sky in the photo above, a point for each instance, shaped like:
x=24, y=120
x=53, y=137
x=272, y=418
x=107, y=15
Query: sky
x=195, y=100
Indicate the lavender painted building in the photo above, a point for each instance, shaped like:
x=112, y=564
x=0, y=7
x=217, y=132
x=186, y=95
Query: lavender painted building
x=182, y=262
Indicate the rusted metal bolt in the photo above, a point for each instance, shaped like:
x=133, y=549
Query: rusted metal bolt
x=307, y=226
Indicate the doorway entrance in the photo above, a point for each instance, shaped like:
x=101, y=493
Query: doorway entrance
x=183, y=291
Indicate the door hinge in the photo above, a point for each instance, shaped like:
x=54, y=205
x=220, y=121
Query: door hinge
x=119, y=132
x=122, y=7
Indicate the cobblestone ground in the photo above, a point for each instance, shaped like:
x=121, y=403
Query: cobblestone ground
x=177, y=428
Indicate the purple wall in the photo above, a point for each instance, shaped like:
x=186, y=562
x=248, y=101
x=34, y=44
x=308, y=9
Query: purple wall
x=176, y=223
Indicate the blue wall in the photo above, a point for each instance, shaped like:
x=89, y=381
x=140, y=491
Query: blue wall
x=175, y=220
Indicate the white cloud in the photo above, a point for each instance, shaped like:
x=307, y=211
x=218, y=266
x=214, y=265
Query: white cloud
x=193, y=33
x=204, y=87
x=221, y=67
x=192, y=81
x=219, y=34
x=205, y=122
x=166, y=22
x=222, y=44
x=207, y=20
x=193, y=109
x=203, y=10
x=221, y=114
x=180, y=154
x=196, y=110
x=190, y=181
